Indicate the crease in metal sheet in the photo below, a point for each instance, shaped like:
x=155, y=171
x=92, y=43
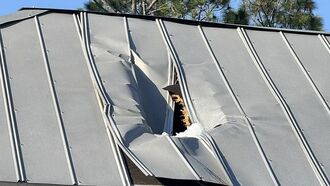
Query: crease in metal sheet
x=168, y=126
x=238, y=105
x=303, y=69
x=56, y=105
x=82, y=30
x=14, y=137
x=182, y=157
x=130, y=60
x=209, y=141
x=205, y=162
x=150, y=63
x=133, y=71
x=107, y=105
x=308, y=152
x=186, y=95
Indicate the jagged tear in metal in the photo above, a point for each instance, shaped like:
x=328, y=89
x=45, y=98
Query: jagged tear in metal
x=79, y=89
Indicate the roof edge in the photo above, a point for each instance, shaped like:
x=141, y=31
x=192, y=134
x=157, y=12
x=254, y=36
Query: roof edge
x=21, y=15
x=184, y=21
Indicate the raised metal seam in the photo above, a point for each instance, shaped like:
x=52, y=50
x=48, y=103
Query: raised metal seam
x=101, y=90
x=305, y=147
x=13, y=132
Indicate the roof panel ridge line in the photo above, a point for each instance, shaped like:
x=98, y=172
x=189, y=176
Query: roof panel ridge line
x=168, y=125
x=180, y=72
x=85, y=42
x=294, y=125
x=238, y=105
x=77, y=23
x=325, y=42
x=12, y=126
x=82, y=32
x=185, y=161
x=56, y=104
x=181, y=78
x=103, y=102
x=208, y=142
x=131, y=59
x=305, y=72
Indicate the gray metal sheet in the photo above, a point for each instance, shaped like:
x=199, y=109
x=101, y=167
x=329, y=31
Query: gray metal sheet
x=304, y=104
x=20, y=15
x=202, y=159
x=315, y=59
x=251, y=154
x=7, y=165
x=90, y=146
x=41, y=142
x=269, y=123
x=151, y=70
x=214, y=104
x=157, y=153
x=197, y=67
x=240, y=154
x=122, y=89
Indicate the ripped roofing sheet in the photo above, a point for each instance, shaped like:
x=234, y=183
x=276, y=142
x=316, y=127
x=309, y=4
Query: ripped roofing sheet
x=81, y=89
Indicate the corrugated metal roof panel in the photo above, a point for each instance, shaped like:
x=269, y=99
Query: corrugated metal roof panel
x=35, y=115
x=78, y=90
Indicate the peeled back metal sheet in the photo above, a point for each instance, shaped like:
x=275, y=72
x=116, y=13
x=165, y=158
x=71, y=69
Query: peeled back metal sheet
x=304, y=104
x=91, y=147
x=151, y=70
x=119, y=82
x=38, y=128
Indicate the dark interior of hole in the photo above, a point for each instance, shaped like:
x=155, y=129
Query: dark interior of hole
x=181, y=119
x=178, y=124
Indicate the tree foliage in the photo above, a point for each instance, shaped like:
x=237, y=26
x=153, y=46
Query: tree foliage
x=201, y=10
x=296, y=14
x=239, y=16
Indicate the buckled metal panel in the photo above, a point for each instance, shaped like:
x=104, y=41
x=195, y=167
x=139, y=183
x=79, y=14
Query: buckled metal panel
x=118, y=79
x=261, y=95
x=306, y=107
x=90, y=145
x=151, y=71
x=43, y=154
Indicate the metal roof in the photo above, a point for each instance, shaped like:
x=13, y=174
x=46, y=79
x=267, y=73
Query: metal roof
x=81, y=89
